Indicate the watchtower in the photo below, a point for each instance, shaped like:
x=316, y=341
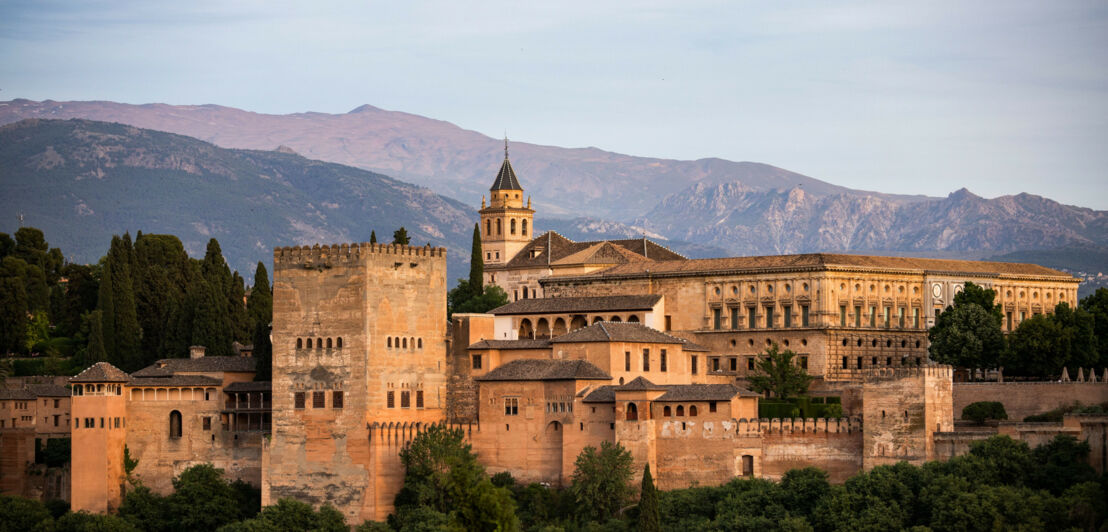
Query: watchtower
x=506, y=224
x=99, y=413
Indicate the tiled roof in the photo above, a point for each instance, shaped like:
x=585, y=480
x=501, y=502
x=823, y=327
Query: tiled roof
x=175, y=380
x=170, y=366
x=602, y=394
x=673, y=392
x=48, y=390
x=101, y=372
x=18, y=394
x=638, y=384
x=506, y=177
x=546, y=370
x=560, y=305
x=511, y=344
x=254, y=386
x=555, y=249
x=820, y=261
x=607, y=331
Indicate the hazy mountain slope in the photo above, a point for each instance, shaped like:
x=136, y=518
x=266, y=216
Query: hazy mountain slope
x=747, y=221
x=82, y=181
x=450, y=160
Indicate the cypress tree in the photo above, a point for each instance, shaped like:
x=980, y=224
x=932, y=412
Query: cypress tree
x=128, y=334
x=105, y=303
x=95, y=351
x=400, y=236
x=649, y=519
x=210, y=326
x=260, y=304
x=263, y=352
x=476, y=264
x=372, y=237
x=13, y=314
x=241, y=328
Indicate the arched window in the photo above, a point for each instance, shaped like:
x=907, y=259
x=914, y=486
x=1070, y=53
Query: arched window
x=300, y=343
x=309, y=343
x=632, y=319
x=405, y=342
x=525, y=330
x=597, y=319
x=632, y=412
x=523, y=226
x=329, y=346
x=388, y=342
x=420, y=343
x=680, y=410
x=498, y=229
x=319, y=343
x=692, y=411
x=338, y=342
x=413, y=343
x=174, y=424
x=615, y=319
x=666, y=412
x=488, y=227
x=513, y=226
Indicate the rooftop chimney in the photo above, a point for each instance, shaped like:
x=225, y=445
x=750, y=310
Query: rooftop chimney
x=196, y=351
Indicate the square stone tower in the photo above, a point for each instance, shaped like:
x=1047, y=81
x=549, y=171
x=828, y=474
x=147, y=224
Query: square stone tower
x=902, y=409
x=359, y=361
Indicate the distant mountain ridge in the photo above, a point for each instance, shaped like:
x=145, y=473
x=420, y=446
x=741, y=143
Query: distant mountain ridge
x=564, y=182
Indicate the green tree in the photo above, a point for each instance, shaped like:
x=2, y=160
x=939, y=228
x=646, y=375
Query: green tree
x=1079, y=338
x=441, y=473
x=400, y=236
x=290, y=514
x=31, y=277
x=1061, y=463
x=105, y=304
x=372, y=237
x=86, y=522
x=461, y=300
x=161, y=277
x=7, y=245
x=649, y=520
x=13, y=314
x=126, y=344
x=476, y=264
x=18, y=514
x=80, y=296
x=1096, y=304
x=210, y=323
x=977, y=295
x=802, y=489
x=777, y=374
x=1042, y=345
x=260, y=303
x=145, y=509
x=981, y=411
x=202, y=499
x=263, y=353
x=601, y=481
x=967, y=335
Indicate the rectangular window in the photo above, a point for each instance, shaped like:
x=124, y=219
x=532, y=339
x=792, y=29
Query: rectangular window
x=207, y=423
x=476, y=361
x=298, y=400
x=511, y=406
x=787, y=313
x=804, y=362
x=873, y=316
x=56, y=403
x=803, y=315
x=734, y=363
x=716, y=313
x=56, y=418
x=662, y=360
x=887, y=316
x=390, y=399
x=1009, y=316
x=845, y=362
x=750, y=363
x=626, y=361
x=336, y=400
x=646, y=360
x=693, y=362
x=669, y=323
x=915, y=317
x=319, y=399
x=419, y=399
x=117, y=423
x=715, y=364
x=900, y=317
x=734, y=318
x=1023, y=315
x=769, y=317
x=842, y=316
x=857, y=316
x=405, y=399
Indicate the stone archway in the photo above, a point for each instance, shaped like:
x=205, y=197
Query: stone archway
x=552, y=449
x=525, y=329
x=578, y=322
x=542, y=328
x=559, y=327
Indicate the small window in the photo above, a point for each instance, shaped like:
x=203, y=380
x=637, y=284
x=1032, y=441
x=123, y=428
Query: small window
x=419, y=399
x=174, y=424
x=207, y=423
x=511, y=406
x=476, y=361
x=336, y=400
x=338, y=343
x=693, y=363
x=390, y=399
x=298, y=399
x=309, y=345
x=712, y=406
x=692, y=411
x=734, y=363
x=626, y=361
x=750, y=364
x=330, y=344
x=388, y=342
x=319, y=400
x=804, y=362
x=300, y=343
x=662, y=360
x=680, y=410
x=405, y=399
x=646, y=360
x=420, y=342
x=666, y=412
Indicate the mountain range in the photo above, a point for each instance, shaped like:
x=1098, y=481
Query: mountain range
x=707, y=207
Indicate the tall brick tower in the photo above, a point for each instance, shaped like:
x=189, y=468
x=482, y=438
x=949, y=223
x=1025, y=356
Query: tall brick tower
x=506, y=224
x=359, y=367
x=99, y=413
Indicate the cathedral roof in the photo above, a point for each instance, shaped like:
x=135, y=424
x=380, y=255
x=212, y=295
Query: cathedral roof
x=546, y=370
x=624, y=332
x=553, y=249
x=506, y=177
x=101, y=372
x=559, y=305
x=817, y=261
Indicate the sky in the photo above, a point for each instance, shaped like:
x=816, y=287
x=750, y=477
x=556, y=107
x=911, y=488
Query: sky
x=910, y=97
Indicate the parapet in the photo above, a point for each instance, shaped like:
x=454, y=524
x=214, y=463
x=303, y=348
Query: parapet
x=759, y=427
x=326, y=256
x=940, y=371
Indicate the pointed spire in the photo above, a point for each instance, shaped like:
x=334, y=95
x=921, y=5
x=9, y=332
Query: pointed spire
x=505, y=145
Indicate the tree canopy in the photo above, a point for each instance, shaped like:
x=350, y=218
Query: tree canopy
x=776, y=373
x=601, y=481
x=968, y=333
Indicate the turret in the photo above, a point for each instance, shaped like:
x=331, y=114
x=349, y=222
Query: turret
x=99, y=413
x=506, y=224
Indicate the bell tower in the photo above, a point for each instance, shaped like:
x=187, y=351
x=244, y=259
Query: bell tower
x=506, y=224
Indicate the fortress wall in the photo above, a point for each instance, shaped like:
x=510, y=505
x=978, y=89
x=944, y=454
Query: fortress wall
x=17, y=449
x=1022, y=399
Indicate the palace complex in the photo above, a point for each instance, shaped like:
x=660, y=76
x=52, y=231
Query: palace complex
x=619, y=340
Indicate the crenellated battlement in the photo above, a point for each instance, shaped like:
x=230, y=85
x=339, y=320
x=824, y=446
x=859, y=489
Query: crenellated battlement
x=940, y=371
x=764, y=426
x=339, y=254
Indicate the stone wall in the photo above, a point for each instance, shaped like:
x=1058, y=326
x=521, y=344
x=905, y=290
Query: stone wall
x=17, y=452
x=902, y=408
x=1022, y=399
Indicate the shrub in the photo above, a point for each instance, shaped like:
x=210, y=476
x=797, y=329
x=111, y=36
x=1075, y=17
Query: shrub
x=980, y=411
